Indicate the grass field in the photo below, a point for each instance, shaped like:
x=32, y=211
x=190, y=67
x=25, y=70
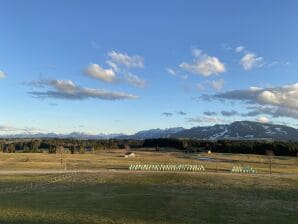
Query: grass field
x=114, y=159
x=122, y=196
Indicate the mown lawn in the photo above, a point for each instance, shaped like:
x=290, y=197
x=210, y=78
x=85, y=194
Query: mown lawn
x=143, y=197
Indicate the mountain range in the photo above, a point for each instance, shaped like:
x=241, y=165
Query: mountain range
x=236, y=130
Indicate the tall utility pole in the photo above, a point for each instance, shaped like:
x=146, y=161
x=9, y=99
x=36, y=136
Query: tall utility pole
x=216, y=165
x=61, y=150
x=270, y=155
x=61, y=156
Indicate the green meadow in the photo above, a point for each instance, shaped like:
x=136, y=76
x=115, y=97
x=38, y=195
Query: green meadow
x=110, y=193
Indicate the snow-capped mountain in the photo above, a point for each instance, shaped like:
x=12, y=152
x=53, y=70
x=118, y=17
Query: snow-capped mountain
x=236, y=130
x=240, y=130
x=156, y=133
x=74, y=135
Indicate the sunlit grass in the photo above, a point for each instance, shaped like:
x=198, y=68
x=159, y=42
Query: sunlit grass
x=114, y=159
x=144, y=197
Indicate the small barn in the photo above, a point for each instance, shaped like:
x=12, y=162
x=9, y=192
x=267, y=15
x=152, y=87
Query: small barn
x=129, y=154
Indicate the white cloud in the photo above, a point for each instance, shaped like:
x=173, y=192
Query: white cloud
x=171, y=71
x=250, y=61
x=263, y=120
x=97, y=72
x=274, y=63
x=255, y=88
x=2, y=74
x=217, y=84
x=275, y=101
x=196, y=52
x=109, y=75
x=239, y=49
x=226, y=47
x=8, y=128
x=113, y=65
x=203, y=64
x=66, y=89
x=279, y=63
x=64, y=85
x=134, y=80
x=124, y=59
x=268, y=97
x=200, y=87
x=176, y=73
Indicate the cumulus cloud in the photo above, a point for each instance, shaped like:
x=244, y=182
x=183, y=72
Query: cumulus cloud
x=263, y=120
x=250, y=61
x=120, y=64
x=97, y=72
x=276, y=101
x=239, y=49
x=272, y=111
x=217, y=84
x=66, y=89
x=134, y=80
x=113, y=65
x=63, y=85
x=2, y=74
x=203, y=64
x=124, y=59
x=204, y=119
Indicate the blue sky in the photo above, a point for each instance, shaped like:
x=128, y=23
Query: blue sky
x=125, y=66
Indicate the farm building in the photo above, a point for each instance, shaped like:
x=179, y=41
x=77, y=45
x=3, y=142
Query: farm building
x=129, y=154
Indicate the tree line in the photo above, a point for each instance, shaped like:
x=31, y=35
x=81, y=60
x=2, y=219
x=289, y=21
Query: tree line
x=187, y=145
